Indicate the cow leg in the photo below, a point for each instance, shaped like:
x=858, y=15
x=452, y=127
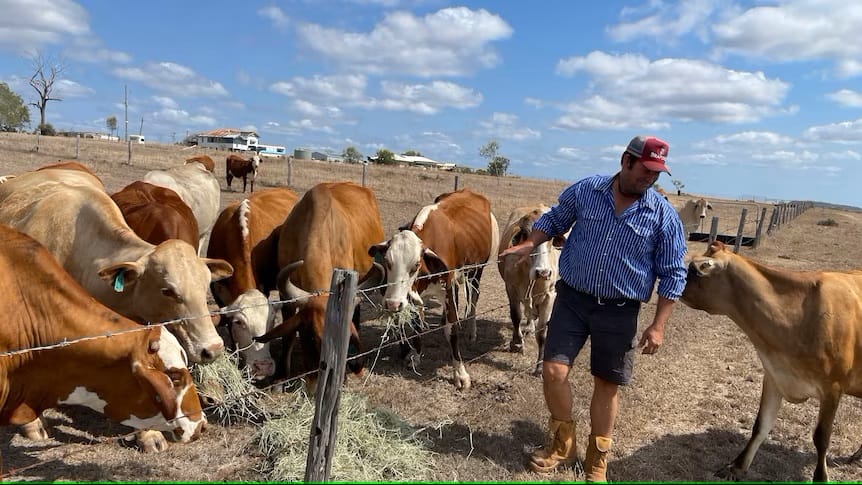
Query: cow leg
x=34, y=430
x=411, y=346
x=515, y=313
x=474, y=277
x=244, y=182
x=150, y=441
x=229, y=178
x=770, y=403
x=450, y=315
x=823, y=433
x=544, y=314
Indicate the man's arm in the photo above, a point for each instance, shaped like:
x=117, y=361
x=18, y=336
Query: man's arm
x=652, y=337
x=537, y=237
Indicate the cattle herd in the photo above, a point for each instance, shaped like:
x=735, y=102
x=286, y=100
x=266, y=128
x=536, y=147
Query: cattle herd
x=159, y=248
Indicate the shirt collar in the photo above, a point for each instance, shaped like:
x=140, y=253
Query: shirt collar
x=648, y=200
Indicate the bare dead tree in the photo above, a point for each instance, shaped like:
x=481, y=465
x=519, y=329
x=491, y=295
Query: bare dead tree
x=45, y=72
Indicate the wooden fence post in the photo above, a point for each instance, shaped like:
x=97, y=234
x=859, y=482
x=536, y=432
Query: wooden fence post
x=363, y=174
x=758, y=231
x=333, y=358
x=739, y=231
x=456, y=181
x=713, y=230
x=289, y=170
x=77, y=144
x=773, y=221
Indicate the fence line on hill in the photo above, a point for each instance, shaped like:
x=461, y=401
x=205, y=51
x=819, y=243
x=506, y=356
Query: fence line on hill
x=782, y=213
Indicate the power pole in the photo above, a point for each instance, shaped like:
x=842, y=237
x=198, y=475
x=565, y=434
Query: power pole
x=128, y=142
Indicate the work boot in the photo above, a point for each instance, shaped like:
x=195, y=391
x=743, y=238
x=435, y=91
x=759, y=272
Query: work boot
x=596, y=461
x=562, y=448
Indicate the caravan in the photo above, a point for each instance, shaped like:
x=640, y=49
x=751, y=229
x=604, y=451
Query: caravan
x=136, y=139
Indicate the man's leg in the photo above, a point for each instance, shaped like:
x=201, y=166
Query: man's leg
x=562, y=447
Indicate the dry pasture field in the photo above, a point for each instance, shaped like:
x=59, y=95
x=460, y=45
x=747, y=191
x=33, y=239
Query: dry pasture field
x=688, y=412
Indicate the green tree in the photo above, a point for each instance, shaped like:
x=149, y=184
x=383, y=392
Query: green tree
x=111, y=124
x=352, y=155
x=498, y=165
x=45, y=72
x=385, y=157
x=412, y=153
x=13, y=112
x=679, y=186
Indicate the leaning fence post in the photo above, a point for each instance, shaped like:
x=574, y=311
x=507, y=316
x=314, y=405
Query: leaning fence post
x=713, y=230
x=739, y=231
x=333, y=358
x=759, y=229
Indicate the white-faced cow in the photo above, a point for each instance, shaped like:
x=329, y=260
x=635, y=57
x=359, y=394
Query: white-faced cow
x=71, y=215
x=806, y=327
x=246, y=236
x=331, y=226
x=529, y=284
x=198, y=188
x=137, y=377
x=237, y=166
x=156, y=213
x=449, y=241
x=693, y=214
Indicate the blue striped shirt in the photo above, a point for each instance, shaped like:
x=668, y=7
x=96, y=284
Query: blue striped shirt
x=617, y=257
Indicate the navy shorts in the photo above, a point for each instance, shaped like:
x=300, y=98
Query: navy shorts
x=611, y=326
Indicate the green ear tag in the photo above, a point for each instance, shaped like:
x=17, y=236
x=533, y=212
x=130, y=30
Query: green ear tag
x=118, y=281
x=378, y=257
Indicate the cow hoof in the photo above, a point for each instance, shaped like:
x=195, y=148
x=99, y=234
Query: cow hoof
x=538, y=370
x=34, y=430
x=516, y=348
x=412, y=360
x=729, y=472
x=150, y=441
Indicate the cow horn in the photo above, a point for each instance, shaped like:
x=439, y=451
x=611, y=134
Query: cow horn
x=286, y=287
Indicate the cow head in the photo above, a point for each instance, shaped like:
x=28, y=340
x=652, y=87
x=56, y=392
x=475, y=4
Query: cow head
x=543, y=259
x=249, y=316
x=170, y=283
x=404, y=259
x=708, y=285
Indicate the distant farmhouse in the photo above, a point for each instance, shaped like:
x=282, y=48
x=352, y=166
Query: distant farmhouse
x=232, y=139
x=418, y=161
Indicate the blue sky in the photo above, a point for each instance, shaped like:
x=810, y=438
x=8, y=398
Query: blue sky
x=757, y=99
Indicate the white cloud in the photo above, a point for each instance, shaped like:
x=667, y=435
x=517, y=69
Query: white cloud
x=505, y=126
x=424, y=98
x=311, y=125
x=572, y=153
x=171, y=78
x=450, y=42
x=181, y=117
x=842, y=132
x=747, y=139
x=348, y=87
x=847, y=97
x=276, y=15
x=311, y=110
x=165, y=102
x=797, y=30
x=664, y=21
x=633, y=91
x=71, y=89
x=27, y=25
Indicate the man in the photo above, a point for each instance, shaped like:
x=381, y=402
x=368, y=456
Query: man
x=626, y=237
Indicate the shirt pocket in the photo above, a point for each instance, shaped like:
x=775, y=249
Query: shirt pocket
x=590, y=224
x=638, y=238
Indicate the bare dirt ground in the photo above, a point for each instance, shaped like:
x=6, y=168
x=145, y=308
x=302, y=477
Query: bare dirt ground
x=688, y=412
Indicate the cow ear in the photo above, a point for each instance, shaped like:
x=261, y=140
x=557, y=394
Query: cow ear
x=558, y=241
x=433, y=262
x=709, y=206
x=158, y=385
x=122, y=275
x=219, y=268
x=377, y=251
x=519, y=237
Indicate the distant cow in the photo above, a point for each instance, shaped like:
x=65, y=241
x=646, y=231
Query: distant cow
x=331, y=226
x=204, y=160
x=138, y=378
x=237, y=166
x=198, y=188
x=693, y=214
x=529, y=284
x=156, y=213
x=448, y=242
x=246, y=236
x=661, y=192
x=806, y=327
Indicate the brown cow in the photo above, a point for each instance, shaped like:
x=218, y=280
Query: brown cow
x=138, y=378
x=204, y=160
x=457, y=231
x=156, y=213
x=806, y=327
x=237, y=166
x=246, y=236
x=330, y=227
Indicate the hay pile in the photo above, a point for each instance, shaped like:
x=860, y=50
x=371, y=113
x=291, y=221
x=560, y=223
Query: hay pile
x=228, y=394
x=371, y=445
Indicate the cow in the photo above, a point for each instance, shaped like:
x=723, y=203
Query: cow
x=331, y=226
x=806, y=327
x=246, y=236
x=529, y=284
x=156, y=213
x=137, y=376
x=204, y=160
x=198, y=188
x=70, y=214
x=448, y=242
x=693, y=214
x=237, y=166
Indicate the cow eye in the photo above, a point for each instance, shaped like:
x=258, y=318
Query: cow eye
x=415, y=268
x=171, y=293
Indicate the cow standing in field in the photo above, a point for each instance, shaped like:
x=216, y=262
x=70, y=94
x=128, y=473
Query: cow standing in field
x=138, y=378
x=331, y=226
x=246, y=236
x=529, y=284
x=448, y=242
x=237, y=166
x=204, y=160
x=198, y=188
x=156, y=213
x=693, y=213
x=806, y=327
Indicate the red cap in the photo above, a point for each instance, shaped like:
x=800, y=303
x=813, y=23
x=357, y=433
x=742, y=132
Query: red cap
x=651, y=151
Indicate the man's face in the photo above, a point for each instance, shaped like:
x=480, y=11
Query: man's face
x=635, y=180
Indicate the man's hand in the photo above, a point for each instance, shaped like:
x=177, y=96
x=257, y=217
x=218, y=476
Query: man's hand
x=522, y=250
x=651, y=339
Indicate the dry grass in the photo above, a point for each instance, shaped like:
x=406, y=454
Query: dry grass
x=689, y=410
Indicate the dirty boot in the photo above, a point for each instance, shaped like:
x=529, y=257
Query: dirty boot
x=562, y=448
x=596, y=461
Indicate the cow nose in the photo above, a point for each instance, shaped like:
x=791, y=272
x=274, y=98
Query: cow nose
x=211, y=353
x=263, y=368
x=393, y=305
x=544, y=273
